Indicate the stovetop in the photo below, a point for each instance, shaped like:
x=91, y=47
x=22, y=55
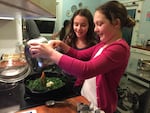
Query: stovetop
x=17, y=99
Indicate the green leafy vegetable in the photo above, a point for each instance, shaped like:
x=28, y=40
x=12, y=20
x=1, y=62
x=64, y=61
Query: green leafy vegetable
x=37, y=84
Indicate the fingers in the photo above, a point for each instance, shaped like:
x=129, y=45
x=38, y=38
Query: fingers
x=54, y=43
x=40, y=50
x=35, y=49
x=34, y=52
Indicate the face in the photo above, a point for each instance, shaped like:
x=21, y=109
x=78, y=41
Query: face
x=103, y=27
x=80, y=26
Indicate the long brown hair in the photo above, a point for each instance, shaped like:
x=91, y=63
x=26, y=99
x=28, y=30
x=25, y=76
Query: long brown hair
x=90, y=37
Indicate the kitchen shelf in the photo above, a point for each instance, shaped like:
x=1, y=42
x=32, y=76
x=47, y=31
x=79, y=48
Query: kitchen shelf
x=26, y=8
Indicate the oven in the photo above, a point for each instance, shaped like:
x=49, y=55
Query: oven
x=133, y=72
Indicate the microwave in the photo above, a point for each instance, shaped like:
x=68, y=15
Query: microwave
x=46, y=26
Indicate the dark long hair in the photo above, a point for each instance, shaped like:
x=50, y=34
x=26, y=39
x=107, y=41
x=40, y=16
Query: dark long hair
x=90, y=37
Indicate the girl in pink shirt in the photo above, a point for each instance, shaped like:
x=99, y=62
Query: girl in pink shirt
x=102, y=65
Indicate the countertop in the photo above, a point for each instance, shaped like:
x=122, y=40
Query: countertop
x=61, y=108
x=147, y=48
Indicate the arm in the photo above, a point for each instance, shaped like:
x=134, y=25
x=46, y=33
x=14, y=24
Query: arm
x=104, y=63
x=59, y=44
x=54, y=35
x=47, y=50
x=32, y=29
x=107, y=61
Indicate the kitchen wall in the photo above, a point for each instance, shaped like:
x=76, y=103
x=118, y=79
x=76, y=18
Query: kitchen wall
x=67, y=9
x=10, y=35
x=143, y=32
x=7, y=36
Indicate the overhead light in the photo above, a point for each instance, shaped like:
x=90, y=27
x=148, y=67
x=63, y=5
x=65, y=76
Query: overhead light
x=6, y=18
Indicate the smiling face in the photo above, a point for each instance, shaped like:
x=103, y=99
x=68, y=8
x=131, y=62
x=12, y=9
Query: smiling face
x=80, y=26
x=103, y=27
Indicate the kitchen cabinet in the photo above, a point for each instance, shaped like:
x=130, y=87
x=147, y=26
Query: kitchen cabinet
x=28, y=8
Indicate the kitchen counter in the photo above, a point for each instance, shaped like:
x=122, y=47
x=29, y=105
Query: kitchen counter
x=141, y=47
x=61, y=108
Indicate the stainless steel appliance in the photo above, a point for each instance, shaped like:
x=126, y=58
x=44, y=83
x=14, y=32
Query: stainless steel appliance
x=137, y=70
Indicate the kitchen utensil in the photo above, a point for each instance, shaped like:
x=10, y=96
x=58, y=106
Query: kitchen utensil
x=37, y=64
x=53, y=102
x=43, y=79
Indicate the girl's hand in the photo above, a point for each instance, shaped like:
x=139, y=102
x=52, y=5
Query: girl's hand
x=48, y=50
x=60, y=45
x=42, y=50
x=54, y=43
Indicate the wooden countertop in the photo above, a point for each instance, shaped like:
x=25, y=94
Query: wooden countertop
x=59, y=108
x=141, y=47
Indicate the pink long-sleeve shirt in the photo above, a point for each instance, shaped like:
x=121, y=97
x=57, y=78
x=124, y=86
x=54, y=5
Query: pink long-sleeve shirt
x=108, y=68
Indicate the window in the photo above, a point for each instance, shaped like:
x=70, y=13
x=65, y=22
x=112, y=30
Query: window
x=127, y=32
x=134, y=9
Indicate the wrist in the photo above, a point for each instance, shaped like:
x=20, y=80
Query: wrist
x=64, y=47
x=55, y=56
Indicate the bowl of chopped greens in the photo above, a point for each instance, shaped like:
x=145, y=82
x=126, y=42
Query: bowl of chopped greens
x=51, y=84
